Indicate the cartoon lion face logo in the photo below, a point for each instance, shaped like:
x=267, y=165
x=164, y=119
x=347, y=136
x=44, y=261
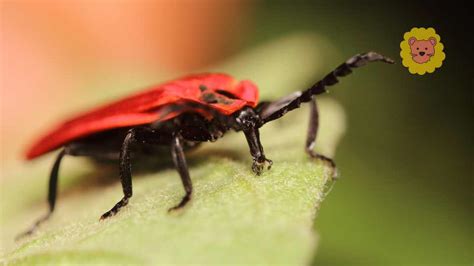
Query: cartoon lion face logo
x=422, y=50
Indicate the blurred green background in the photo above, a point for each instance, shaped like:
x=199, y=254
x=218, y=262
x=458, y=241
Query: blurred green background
x=405, y=194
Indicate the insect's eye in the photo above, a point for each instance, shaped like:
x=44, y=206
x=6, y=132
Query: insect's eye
x=426, y=48
x=417, y=48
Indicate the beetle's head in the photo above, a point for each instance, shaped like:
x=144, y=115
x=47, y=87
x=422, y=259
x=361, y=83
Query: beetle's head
x=246, y=119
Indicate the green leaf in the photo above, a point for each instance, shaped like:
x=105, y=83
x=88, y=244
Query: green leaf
x=234, y=217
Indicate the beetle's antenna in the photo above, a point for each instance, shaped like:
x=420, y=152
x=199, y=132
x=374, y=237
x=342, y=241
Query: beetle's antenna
x=280, y=107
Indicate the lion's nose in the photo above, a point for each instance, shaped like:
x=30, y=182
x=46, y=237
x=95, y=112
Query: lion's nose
x=422, y=53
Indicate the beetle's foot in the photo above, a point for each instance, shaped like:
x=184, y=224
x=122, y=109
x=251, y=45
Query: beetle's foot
x=258, y=166
x=115, y=209
x=26, y=233
x=183, y=203
x=33, y=228
x=326, y=160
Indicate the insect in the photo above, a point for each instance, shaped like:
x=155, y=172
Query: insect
x=180, y=115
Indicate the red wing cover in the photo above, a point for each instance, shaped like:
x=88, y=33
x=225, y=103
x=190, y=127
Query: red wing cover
x=150, y=106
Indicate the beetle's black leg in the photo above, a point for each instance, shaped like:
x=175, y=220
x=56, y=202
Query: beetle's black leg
x=256, y=150
x=52, y=193
x=125, y=174
x=312, y=134
x=180, y=164
x=249, y=122
x=280, y=107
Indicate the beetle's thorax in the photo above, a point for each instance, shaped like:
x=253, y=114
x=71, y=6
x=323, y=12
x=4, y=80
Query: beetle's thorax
x=246, y=119
x=194, y=127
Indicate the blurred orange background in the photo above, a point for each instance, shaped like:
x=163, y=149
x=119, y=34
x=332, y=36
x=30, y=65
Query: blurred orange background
x=50, y=47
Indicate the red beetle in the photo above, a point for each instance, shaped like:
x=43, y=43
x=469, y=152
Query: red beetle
x=179, y=114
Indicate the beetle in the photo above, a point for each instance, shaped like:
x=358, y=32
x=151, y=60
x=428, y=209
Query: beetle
x=180, y=114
